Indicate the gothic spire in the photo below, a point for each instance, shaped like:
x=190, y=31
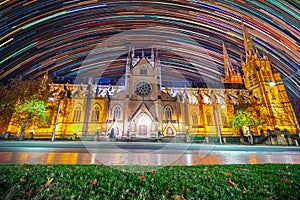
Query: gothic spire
x=242, y=60
x=152, y=53
x=228, y=69
x=248, y=44
x=230, y=75
x=132, y=52
x=129, y=59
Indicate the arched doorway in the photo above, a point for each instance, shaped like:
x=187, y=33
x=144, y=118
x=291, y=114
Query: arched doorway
x=143, y=130
x=169, y=131
x=116, y=132
x=144, y=124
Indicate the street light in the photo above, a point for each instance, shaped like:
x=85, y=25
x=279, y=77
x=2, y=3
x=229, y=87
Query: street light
x=272, y=83
x=66, y=93
x=56, y=120
x=187, y=133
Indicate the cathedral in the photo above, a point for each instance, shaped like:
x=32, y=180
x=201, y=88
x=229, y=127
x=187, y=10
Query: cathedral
x=146, y=107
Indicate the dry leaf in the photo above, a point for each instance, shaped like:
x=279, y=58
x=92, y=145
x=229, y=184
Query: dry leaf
x=142, y=178
x=226, y=173
x=268, y=198
x=243, y=169
x=286, y=180
x=153, y=171
x=48, y=182
x=177, y=197
x=245, y=191
x=231, y=183
x=185, y=190
x=50, y=167
x=93, y=182
x=22, y=179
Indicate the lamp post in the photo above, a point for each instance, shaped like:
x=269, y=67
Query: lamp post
x=187, y=139
x=56, y=120
x=216, y=118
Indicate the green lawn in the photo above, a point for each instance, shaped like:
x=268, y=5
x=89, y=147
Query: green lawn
x=265, y=181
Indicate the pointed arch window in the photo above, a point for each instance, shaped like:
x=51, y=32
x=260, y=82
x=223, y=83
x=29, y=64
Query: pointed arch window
x=208, y=118
x=168, y=112
x=252, y=77
x=195, y=119
x=77, y=113
x=266, y=75
x=143, y=70
x=224, y=120
x=117, y=112
x=95, y=113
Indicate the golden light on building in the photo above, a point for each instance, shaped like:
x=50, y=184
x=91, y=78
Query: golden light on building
x=143, y=107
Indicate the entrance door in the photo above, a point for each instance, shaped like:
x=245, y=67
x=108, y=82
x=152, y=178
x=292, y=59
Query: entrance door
x=143, y=130
x=169, y=131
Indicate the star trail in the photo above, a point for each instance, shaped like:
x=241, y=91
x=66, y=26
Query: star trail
x=58, y=36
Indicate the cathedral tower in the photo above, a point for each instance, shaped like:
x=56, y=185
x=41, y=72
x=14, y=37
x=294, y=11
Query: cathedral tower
x=266, y=87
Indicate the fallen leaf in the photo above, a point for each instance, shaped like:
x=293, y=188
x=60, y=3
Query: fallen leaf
x=226, y=173
x=142, y=178
x=50, y=167
x=177, y=197
x=245, y=191
x=153, y=171
x=242, y=169
x=185, y=190
x=231, y=183
x=22, y=179
x=48, y=181
x=286, y=180
x=93, y=182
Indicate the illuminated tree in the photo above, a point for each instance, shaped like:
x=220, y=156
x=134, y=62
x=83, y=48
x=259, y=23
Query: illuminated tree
x=31, y=109
x=24, y=100
x=243, y=118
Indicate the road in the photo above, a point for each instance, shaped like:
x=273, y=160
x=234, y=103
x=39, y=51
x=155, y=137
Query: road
x=122, y=153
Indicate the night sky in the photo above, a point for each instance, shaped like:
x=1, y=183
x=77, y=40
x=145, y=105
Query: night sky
x=76, y=39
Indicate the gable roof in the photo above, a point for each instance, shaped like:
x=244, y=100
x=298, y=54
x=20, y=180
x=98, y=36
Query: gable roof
x=145, y=60
x=143, y=108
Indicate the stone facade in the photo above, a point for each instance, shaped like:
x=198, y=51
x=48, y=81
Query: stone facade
x=144, y=106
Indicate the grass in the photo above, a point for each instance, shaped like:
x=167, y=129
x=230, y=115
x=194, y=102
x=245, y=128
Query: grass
x=262, y=181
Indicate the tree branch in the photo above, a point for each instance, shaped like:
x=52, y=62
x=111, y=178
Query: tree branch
x=20, y=119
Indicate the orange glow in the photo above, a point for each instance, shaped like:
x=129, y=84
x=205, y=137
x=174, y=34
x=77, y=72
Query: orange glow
x=252, y=159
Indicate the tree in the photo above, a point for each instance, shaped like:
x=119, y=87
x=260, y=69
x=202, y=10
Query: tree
x=29, y=110
x=242, y=118
x=24, y=98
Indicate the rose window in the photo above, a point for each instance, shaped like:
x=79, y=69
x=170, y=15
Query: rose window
x=143, y=88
